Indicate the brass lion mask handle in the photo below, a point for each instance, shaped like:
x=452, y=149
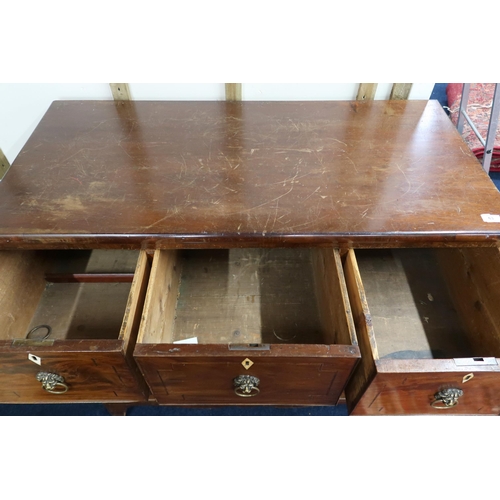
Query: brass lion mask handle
x=52, y=382
x=246, y=386
x=446, y=398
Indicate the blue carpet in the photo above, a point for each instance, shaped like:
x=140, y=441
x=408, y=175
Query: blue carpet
x=495, y=177
x=340, y=410
x=68, y=410
x=439, y=93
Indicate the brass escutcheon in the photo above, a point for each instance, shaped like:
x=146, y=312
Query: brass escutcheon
x=247, y=363
x=246, y=386
x=446, y=398
x=52, y=382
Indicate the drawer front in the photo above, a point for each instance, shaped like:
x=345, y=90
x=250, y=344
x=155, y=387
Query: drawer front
x=69, y=377
x=277, y=380
x=422, y=393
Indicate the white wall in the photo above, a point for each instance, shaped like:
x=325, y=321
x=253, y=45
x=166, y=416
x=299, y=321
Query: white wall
x=23, y=105
x=323, y=91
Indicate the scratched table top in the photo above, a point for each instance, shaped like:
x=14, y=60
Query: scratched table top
x=218, y=174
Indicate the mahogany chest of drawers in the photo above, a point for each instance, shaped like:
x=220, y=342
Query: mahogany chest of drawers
x=267, y=253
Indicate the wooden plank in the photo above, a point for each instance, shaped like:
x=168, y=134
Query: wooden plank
x=22, y=284
x=96, y=261
x=473, y=276
x=220, y=298
x=366, y=91
x=82, y=310
x=161, y=298
x=110, y=261
x=135, y=303
x=400, y=91
x=233, y=91
x=90, y=278
x=332, y=297
x=4, y=164
x=366, y=370
x=411, y=309
x=120, y=91
x=254, y=296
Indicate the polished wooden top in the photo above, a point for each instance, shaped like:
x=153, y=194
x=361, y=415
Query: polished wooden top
x=220, y=174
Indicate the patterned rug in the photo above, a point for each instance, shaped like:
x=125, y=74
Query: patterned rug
x=478, y=109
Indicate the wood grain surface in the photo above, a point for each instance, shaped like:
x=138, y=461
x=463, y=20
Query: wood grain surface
x=233, y=91
x=93, y=370
x=407, y=387
x=234, y=174
x=366, y=91
x=288, y=374
x=4, y=164
x=400, y=90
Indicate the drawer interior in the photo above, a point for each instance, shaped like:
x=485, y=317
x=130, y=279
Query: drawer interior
x=431, y=303
x=247, y=296
x=70, y=294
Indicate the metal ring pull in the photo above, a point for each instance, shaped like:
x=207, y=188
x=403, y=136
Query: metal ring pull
x=446, y=398
x=33, y=330
x=246, y=386
x=52, y=382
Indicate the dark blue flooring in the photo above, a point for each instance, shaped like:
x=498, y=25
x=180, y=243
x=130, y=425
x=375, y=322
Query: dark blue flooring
x=495, y=177
x=68, y=410
x=439, y=93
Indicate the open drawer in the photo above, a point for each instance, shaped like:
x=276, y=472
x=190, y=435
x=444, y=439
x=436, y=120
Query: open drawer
x=247, y=326
x=68, y=323
x=428, y=324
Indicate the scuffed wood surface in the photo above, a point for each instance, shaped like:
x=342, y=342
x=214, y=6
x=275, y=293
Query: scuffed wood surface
x=203, y=374
x=94, y=371
x=227, y=174
x=403, y=390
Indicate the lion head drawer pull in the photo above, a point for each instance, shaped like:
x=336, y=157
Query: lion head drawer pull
x=52, y=382
x=446, y=398
x=246, y=386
